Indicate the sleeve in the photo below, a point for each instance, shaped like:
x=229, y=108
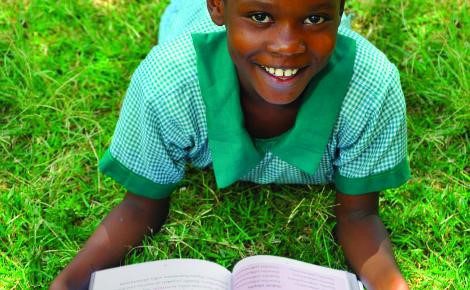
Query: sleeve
x=374, y=156
x=147, y=153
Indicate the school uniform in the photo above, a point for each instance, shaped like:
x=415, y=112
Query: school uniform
x=183, y=107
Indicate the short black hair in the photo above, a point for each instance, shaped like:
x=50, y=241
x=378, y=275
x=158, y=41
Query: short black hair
x=341, y=7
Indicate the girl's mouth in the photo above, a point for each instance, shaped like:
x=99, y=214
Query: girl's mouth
x=282, y=74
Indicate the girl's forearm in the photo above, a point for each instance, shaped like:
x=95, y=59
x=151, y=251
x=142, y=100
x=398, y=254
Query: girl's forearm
x=123, y=228
x=368, y=249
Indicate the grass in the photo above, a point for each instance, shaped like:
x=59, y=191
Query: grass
x=64, y=68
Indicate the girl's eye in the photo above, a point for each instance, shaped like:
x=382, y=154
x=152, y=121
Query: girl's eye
x=314, y=19
x=261, y=18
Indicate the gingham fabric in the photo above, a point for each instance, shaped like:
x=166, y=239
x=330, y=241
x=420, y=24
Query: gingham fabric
x=163, y=122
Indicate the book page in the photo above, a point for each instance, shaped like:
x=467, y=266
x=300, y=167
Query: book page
x=270, y=272
x=172, y=274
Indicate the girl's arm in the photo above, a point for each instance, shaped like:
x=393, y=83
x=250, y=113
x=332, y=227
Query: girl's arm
x=365, y=241
x=123, y=228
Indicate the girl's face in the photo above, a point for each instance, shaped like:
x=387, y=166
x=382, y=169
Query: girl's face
x=278, y=46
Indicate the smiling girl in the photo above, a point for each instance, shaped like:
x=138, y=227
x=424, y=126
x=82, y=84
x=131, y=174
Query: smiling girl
x=277, y=91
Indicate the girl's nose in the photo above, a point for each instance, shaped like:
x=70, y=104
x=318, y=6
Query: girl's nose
x=286, y=41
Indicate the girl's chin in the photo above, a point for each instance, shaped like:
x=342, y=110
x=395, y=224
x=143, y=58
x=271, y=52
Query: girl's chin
x=279, y=98
x=279, y=101
x=281, y=94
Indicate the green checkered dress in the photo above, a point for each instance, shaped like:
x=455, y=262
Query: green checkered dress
x=182, y=107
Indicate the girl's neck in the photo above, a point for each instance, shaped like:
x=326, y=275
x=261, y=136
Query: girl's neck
x=265, y=120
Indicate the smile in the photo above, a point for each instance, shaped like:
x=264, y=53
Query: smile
x=279, y=72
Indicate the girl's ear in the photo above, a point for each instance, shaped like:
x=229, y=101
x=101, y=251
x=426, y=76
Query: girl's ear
x=216, y=11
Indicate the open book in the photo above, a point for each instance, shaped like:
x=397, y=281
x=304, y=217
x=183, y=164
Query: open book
x=254, y=273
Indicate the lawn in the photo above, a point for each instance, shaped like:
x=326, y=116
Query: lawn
x=64, y=68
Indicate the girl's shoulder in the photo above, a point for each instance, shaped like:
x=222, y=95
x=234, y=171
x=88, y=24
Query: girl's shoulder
x=374, y=87
x=371, y=64
x=374, y=75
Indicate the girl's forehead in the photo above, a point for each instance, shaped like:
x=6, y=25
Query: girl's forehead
x=306, y=2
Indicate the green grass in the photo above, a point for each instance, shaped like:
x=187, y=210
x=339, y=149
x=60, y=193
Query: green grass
x=64, y=69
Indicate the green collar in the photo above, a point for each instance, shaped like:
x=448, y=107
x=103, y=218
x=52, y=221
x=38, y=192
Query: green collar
x=232, y=149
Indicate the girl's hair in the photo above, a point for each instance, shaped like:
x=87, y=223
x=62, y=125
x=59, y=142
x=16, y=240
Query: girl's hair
x=341, y=3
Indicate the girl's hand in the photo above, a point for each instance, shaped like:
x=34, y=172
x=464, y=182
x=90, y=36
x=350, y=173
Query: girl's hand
x=399, y=284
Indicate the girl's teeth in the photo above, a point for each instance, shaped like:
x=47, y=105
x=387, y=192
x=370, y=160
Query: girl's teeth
x=279, y=72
